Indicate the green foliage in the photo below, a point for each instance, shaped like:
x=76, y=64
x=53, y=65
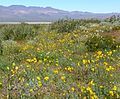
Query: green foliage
x=96, y=43
x=5, y=62
x=64, y=26
x=18, y=32
x=70, y=24
x=10, y=47
x=113, y=19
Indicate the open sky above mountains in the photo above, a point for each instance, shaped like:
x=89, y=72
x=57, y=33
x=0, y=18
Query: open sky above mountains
x=98, y=6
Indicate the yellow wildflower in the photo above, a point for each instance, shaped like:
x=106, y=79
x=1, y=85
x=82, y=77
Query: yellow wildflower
x=13, y=72
x=99, y=52
x=109, y=68
x=78, y=64
x=70, y=69
x=35, y=60
x=0, y=84
x=90, y=90
x=93, y=69
x=39, y=83
x=73, y=89
x=63, y=94
x=91, y=82
x=28, y=60
x=89, y=61
x=8, y=68
x=27, y=66
x=101, y=86
x=45, y=59
x=31, y=90
x=55, y=71
x=111, y=93
x=84, y=61
x=38, y=78
x=109, y=53
x=111, y=75
x=56, y=64
x=13, y=64
x=114, y=88
x=63, y=78
x=16, y=67
x=46, y=78
x=105, y=63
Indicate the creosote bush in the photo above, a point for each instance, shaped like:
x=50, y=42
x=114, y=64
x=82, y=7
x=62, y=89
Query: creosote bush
x=68, y=25
x=10, y=47
x=95, y=43
x=18, y=32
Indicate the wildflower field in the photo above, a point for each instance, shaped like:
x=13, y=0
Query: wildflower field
x=69, y=59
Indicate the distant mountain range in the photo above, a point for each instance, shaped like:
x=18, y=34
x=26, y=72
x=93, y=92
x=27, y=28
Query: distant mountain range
x=20, y=13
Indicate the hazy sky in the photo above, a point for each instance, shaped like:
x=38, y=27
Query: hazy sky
x=70, y=5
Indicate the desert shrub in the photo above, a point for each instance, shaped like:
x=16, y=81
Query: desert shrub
x=10, y=47
x=64, y=25
x=4, y=62
x=18, y=32
x=113, y=19
x=70, y=24
x=95, y=43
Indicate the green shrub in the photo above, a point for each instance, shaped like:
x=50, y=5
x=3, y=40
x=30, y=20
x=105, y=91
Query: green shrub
x=70, y=25
x=4, y=62
x=18, y=32
x=10, y=47
x=95, y=43
x=64, y=25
